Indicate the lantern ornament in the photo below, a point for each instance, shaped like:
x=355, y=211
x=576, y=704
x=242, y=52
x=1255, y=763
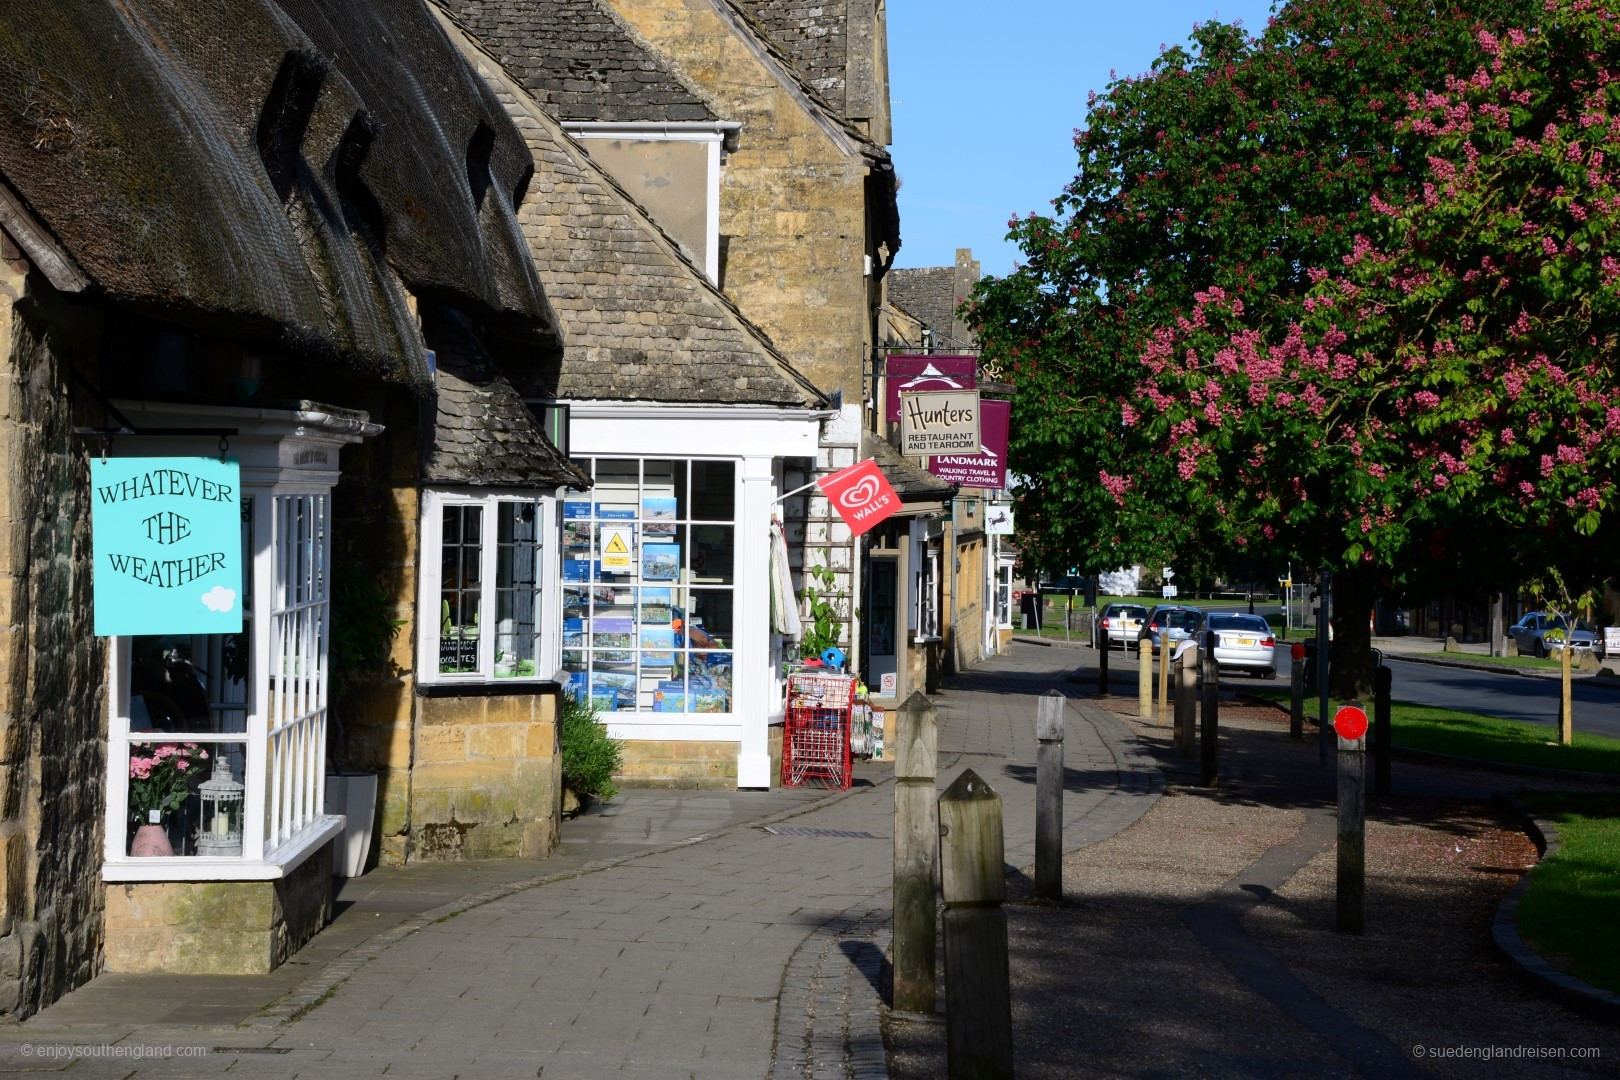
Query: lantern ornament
x=220, y=832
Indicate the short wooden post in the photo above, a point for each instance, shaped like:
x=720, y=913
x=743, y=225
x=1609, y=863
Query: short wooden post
x=1164, y=677
x=1383, y=736
x=1186, y=700
x=978, y=999
x=1103, y=650
x=916, y=848
x=1352, y=869
x=1049, y=795
x=1210, y=721
x=1144, y=680
x=1296, y=692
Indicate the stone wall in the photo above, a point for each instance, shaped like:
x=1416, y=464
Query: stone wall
x=376, y=508
x=218, y=927
x=680, y=763
x=52, y=702
x=487, y=782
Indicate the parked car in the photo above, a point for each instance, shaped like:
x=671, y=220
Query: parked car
x=1173, y=623
x=1119, y=624
x=1530, y=634
x=1244, y=643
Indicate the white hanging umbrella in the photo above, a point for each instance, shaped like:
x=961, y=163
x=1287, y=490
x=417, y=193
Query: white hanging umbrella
x=784, y=605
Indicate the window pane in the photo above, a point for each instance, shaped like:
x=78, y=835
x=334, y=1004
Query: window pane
x=714, y=491
x=517, y=589
x=708, y=625
x=709, y=682
x=459, y=589
x=185, y=798
x=712, y=556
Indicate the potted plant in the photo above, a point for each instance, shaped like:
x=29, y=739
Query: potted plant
x=159, y=781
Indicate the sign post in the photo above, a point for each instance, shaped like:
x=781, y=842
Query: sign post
x=1350, y=726
x=939, y=422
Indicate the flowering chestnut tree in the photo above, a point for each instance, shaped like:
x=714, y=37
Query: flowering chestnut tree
x=1237, y=163
x=1448, y=393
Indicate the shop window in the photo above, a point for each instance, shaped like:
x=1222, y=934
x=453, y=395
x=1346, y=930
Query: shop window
x=648, y=568
x=217, y=743
x=925, y=608
x=487, y=560
x=1004, y=579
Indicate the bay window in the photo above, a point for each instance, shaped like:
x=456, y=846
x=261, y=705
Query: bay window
x=489, y=561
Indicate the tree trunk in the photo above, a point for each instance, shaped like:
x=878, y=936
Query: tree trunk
x=1351, y=674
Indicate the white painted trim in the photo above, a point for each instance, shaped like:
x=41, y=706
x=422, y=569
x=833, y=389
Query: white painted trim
x=691, y=434
x=652, y=130
x=720, y=727
x=753, y=619
x=597, y=409
x=278, y=864
x=548, y=616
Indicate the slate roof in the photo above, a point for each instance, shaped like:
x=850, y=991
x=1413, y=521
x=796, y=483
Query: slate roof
x=929, y=295
x=263, y=169
x=580, y=60
x=811, y=32
x=482, y=433
x=639, y=321
x=910, y=481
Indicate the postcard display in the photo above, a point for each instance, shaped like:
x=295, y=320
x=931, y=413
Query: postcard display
x=648, y=579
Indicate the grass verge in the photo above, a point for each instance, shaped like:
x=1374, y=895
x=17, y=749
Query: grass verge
x=1484, y=738
x=1531, y=662
x=1568, y=910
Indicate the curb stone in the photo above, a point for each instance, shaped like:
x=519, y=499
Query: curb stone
x=1576, y=993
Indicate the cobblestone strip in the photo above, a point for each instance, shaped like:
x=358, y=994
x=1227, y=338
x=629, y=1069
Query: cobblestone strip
x=829, y=1013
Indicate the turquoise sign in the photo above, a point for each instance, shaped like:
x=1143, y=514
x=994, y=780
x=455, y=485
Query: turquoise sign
x=167, y=540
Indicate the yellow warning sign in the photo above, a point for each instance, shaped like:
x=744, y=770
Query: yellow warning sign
x=616, y=548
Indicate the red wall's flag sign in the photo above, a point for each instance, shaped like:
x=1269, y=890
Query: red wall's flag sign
x=861, y=494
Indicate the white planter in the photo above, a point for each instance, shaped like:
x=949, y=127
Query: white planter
x=354, y=795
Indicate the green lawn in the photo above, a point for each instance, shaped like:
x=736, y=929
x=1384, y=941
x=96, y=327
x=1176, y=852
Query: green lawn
x=1485, y=738
x=1568, y=911
x=1550, y=664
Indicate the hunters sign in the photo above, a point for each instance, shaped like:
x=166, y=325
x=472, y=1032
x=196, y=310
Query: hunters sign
x=166, y=536
x=941, y=422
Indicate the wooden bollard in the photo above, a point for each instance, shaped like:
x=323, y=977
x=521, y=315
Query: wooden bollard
x=1186, y=700
x=1049, y=795
x=1296, y=692
x=1209, y=726
x=978, y=998
x=1144, y=680
x=1352, y=863
x=1164, y=677
x=1103, y=649
x=916, y=849
x=1383, y=736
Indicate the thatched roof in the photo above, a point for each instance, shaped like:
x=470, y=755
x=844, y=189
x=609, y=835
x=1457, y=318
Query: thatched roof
x=269, y=170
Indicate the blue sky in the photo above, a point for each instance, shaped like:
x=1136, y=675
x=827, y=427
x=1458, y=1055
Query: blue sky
x=986, y=99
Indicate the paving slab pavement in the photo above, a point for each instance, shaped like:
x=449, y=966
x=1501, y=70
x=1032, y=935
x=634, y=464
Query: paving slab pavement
x=673, y=937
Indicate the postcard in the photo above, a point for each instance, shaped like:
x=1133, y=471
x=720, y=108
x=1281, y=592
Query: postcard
x=660, y=562
x=658, y=645
x=659, y=516
x=576, y=510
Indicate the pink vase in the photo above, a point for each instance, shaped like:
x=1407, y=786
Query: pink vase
x=151, y=840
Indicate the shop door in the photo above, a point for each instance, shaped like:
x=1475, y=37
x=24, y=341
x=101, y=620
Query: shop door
x=882, y=628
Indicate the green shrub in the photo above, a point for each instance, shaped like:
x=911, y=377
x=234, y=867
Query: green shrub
x=590, y=756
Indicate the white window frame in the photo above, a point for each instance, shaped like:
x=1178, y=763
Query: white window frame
x=285, y=456
x=713, y=135
x=1004, y=590
x=925, y=606
x=431, y=579
x=625, y=720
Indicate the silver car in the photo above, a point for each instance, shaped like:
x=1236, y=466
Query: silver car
x=1530, y=634
x=1120, y=624
x=1245, y=643
x=1173, y=623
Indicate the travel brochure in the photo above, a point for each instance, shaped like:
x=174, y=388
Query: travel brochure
x=659, y=516
x=660, y=562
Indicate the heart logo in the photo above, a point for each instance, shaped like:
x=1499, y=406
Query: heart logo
x=858, y=495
